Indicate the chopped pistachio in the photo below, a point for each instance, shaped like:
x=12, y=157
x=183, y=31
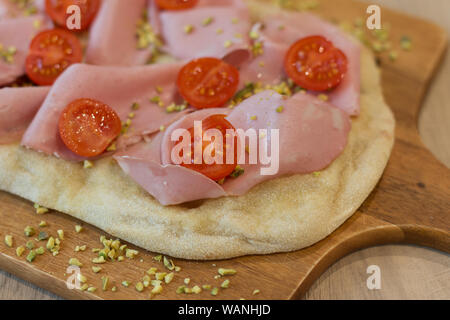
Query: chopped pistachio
x=139, y=287
x=218, y=276
x=157, y=290
x=323, y=97
x=219, y=31
x=406, y=43
x=393, y=55
x=96, y=269
x=253, y=35
x=42, y=236
x=169, y=277
x=105, y=281
x=99, y=260
x=168, y=263
x=214, y=291
x=280, y=109
x=40, y=251
x=84, y=287
x=187, y=281
x=29, y=231
x=207, y=21
x=253, y=118
x=39, y=209
x=155, y=283
x=120, y=258
x=55, y=253
x=158, y=258
x=180, y=289
x=256, y=291
x=50, y=243
x=196, y=289
x=31, y=256
x=225, y=284
x=82, y=278
x=92, y=289
x=237, y=172
x=206, y=287
x=75, y=262
x=30, y=244
x=187, y=290
x=60, y=234
x=20, y=250
x=129, y=253
x=42, y=224
x=188, y=28
x=152, y=271
x=160, y=275
x=114, y=289
x=317, y=174
x=126, y=283
x=78, y=228
x=9, y=240
x=177, y=268
x=234, y=20
x=88, y=164
x=58, y=241
x=135, y=106
x=228, y=43
x=162, y=128
x=227, y=272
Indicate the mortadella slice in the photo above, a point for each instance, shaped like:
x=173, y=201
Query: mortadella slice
x=17, y=34
x=18, y=106
x=113, y=39
x=282, y=30
x=170, y=184
x=312, y=134
x=206, y=30
x=118, y=87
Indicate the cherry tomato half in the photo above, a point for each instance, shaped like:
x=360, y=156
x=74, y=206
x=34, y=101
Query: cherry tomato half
x=87, y=127
x=51, y=52
x=176, y=4
x=208, y=82
x=57, y=10
x=214, y=171
x=315, y=64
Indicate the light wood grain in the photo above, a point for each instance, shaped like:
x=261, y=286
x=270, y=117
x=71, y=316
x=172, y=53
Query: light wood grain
x=346, y=279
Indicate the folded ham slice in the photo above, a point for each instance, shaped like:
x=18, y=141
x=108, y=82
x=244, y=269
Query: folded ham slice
x=10, y=9
x=18, y=33
x=118, y=87
x=18, y=106
x=312, y=133
x=281, y=31
x=217, y=29
x=112, y=39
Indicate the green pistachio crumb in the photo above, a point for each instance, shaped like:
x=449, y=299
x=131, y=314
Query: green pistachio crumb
x=225, y=284
x=214, y=291
x=20, y=250
x=29, y=231
x=9, y=240
x=31, y=256
x=227, y=272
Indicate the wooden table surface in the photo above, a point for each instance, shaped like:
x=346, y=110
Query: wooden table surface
x=407, y=272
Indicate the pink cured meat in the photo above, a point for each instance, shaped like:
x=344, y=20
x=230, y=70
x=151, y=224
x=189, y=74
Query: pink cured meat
x=112, y=38
x=18, y=106
x=307, y=125
x=231, y=18
x=281, y=31
x=18, y=33
x=118, y=87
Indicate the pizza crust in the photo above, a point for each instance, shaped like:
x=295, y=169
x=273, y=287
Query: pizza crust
x=280, y=215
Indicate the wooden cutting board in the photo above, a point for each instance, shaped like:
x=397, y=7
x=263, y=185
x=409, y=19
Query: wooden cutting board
x=411, y=204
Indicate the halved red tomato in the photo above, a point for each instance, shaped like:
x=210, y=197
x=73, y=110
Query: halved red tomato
x=51, y=52
x=176, y=4
x=214, y=171
x=314, y=63
x=87, y=127
x=208, y=82
x=57, y=10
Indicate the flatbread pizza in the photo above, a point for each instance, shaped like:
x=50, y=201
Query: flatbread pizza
x=333, y=152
